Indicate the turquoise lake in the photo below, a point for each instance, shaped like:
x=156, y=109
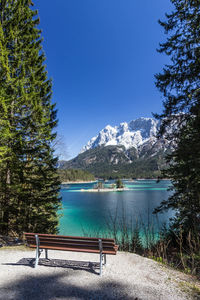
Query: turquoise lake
x=90, y=212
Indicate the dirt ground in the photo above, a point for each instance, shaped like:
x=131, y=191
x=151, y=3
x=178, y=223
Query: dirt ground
x=68, y=275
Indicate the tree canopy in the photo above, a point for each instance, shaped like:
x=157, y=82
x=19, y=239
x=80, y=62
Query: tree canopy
x=179, y=82
x=29, y=185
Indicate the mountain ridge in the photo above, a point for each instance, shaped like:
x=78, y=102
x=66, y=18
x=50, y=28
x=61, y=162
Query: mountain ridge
x=132, y=134
x=128, y=150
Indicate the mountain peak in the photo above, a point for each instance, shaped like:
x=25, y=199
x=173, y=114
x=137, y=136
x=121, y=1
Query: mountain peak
x=132, y=134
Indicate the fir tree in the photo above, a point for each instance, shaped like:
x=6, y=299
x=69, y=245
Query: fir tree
x=34, y=198
x=180, y=84
x=7, y=123
x=184, y=170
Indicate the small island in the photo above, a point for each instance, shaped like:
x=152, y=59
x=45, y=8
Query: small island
x=118, y=186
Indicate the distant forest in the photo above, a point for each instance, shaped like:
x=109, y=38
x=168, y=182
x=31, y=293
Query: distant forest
x=75, y=175
x=139, y=169
x=84, y=175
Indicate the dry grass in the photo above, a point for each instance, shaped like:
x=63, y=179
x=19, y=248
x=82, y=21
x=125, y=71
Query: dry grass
x=193, y=289
x=17, y=248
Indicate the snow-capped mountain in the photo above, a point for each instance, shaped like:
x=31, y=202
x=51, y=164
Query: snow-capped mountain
x=130, y=135
x=130, y=150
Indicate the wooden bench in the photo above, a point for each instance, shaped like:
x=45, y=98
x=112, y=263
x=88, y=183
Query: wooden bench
x=71, y=243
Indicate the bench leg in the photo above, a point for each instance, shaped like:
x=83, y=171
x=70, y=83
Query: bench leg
x=101, y=264
x=104, y=256
x=37, y=257
x=37, y=250
x=46, y=253
x=101, y=255
x=38, y=253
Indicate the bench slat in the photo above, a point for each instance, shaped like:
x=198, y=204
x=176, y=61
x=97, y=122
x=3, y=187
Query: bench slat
x=76, y=249
x=46, y=239
x=73, y=245
x=65, y=236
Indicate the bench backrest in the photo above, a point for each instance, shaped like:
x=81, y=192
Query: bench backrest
x=72, y=243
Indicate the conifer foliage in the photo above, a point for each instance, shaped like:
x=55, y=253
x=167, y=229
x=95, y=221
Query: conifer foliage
x=29, y=183
x=180, y=84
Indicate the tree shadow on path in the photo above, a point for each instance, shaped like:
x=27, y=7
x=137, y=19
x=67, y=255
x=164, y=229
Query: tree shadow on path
x=51, y=287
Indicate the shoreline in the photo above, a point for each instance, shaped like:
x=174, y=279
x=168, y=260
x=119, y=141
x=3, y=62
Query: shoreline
x=78, y=182
x=105, y=190
x=94, y=181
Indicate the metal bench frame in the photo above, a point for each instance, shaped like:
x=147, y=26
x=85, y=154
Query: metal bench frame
x=39, y=251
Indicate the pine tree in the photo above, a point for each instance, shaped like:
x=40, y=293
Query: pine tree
x=29, y=124
x=7, y=125
x=180, y=84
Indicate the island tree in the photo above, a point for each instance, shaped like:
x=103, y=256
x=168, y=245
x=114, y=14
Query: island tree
x=29, y=185
x=179, y=83
x=119, y=184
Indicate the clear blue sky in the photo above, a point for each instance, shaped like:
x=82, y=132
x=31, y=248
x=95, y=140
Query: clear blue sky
x=102, y=57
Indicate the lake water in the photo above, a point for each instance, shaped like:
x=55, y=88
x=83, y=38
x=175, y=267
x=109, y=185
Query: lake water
x=89, y=212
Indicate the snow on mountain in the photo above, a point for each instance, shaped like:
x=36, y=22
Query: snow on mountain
x=133, y=134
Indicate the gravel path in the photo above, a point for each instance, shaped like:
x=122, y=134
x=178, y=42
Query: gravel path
x=75, y=276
